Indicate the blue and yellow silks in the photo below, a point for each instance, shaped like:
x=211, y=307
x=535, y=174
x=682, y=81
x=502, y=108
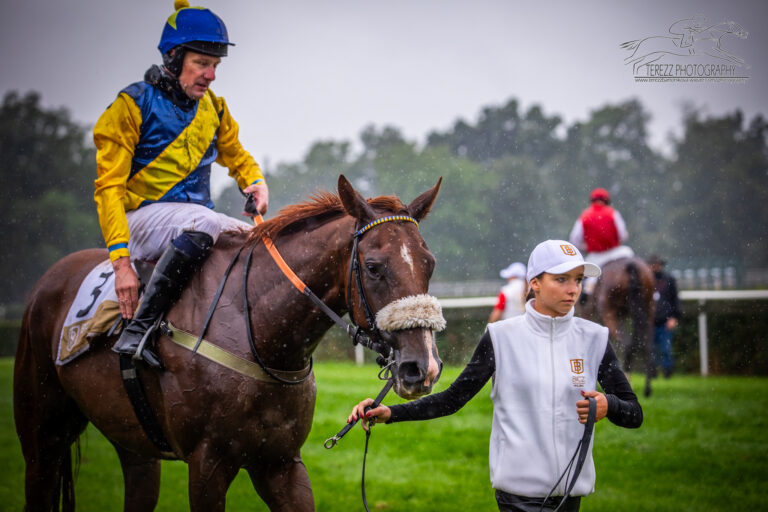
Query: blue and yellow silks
x=150, y=149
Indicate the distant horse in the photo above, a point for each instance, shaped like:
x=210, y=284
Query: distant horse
x=215, y=419
x=624, y=294
x=698, y=41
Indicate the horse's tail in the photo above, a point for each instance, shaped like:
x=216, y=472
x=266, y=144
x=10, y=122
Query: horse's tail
x=67, y=477
x=640, y=310
x=631, y=45
x=635, y=287
x=638, y=307
x=30, y=421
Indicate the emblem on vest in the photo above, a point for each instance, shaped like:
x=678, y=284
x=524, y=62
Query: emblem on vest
x=577, y=368
x=568, y=249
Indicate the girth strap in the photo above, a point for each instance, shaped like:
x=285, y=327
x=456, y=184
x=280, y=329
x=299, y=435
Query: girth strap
x=141, y=407
x=229, y=360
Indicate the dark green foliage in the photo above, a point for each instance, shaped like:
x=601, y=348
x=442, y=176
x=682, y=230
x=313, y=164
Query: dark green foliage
x=46, y=191
x=736, y=333
x=718, y=195
x=513, y=179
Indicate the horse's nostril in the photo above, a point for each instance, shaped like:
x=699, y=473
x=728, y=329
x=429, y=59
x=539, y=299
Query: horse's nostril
x=410, y=373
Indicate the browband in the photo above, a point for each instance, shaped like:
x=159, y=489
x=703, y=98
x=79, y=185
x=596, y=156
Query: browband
x=382, y=220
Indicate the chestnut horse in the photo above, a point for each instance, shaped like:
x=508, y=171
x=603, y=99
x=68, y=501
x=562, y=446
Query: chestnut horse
x=215, y=419
x=623, y=295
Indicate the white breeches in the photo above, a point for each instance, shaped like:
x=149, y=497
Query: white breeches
x=152, y=227
x=600, y=259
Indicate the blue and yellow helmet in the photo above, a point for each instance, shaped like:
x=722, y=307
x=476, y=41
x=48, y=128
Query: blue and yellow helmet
x=195, y=28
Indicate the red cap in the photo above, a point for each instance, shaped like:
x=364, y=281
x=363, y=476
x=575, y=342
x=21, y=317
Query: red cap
x=600, y=194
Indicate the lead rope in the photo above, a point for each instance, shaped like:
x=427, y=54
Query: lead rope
x=375, y=404
x=581, y=451
x=332, y=441
x=386, y=357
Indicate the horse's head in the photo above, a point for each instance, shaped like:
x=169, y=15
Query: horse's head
x=395, y=266
x=737, y=30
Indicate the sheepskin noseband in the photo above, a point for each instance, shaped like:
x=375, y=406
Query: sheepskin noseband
x=410, y=312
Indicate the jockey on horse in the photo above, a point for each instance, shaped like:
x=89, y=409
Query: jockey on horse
x=599, y=231
x=155, y=145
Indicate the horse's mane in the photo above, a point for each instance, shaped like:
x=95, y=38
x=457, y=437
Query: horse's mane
x=318, y=209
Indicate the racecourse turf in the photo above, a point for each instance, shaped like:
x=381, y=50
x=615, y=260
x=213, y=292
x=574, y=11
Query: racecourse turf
x=703, y=447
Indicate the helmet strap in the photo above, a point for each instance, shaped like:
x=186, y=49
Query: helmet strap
x=173, y=60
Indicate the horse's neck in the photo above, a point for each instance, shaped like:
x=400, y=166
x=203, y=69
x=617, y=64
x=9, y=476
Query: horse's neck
x=289, y=321
x=320, y=258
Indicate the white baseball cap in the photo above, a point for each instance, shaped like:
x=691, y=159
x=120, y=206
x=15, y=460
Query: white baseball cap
x=516, y=269
x=558, y=257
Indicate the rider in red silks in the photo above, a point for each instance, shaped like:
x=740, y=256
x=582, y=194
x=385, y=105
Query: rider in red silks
x=599, y=231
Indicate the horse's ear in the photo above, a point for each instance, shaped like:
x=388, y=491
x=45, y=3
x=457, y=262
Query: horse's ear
x=353, y=202
x=419, y=207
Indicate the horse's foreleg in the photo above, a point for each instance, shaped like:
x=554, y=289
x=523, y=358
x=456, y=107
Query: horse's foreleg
x=283, y=486
x=720, y=53
x=210, y=475
x=142, y=481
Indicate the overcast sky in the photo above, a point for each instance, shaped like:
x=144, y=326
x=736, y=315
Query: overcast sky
x=303, y=71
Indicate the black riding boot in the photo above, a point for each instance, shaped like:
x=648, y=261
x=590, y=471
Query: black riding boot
x=177, y=265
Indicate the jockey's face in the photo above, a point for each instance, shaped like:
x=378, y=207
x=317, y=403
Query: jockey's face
x=197, y=73
x=556, y=294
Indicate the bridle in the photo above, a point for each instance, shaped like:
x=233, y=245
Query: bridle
x=355, y=271
x=385, y=357
x=375, y=342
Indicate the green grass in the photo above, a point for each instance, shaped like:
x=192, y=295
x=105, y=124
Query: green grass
x=703, y=446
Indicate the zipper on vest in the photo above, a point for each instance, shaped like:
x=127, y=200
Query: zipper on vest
x=554, y=397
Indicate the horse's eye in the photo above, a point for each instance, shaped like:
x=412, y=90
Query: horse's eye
x=374, y=269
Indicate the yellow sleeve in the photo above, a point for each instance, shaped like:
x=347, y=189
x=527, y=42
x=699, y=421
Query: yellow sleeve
x=116, y=134
x=242, y=167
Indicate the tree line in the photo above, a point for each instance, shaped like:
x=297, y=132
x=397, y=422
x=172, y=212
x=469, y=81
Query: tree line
x=511, y=178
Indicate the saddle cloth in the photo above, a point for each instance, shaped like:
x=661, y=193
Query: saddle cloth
x=93, y=312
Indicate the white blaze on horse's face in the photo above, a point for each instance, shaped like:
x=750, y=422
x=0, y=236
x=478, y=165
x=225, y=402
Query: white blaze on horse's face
x=406, y=254
x=433, y=369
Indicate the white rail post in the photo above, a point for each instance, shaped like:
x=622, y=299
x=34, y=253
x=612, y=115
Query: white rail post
x=359, y=355
x=703, y=341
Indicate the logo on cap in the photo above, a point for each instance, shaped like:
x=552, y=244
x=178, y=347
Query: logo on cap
x=568, y=250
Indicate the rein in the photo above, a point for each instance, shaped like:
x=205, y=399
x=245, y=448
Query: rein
x=356, y=332
x=385, y=358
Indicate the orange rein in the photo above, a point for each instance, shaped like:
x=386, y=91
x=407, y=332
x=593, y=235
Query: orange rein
x=269, y=244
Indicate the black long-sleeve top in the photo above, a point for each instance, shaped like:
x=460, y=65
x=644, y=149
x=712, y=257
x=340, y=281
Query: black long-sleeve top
x=667, y=300
x=623, y=408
